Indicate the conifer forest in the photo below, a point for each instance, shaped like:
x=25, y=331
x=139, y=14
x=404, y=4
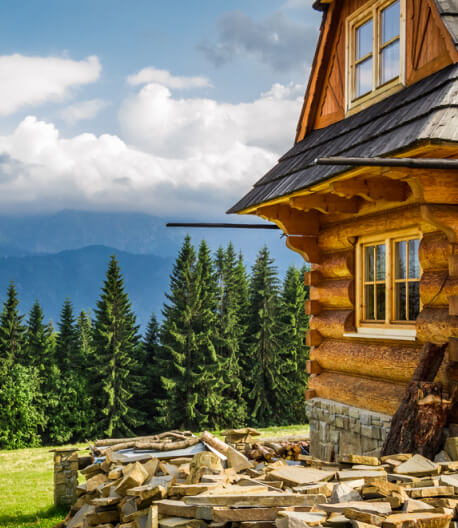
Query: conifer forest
x=228, y=350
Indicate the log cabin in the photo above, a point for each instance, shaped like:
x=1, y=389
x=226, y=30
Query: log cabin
x=368, y=195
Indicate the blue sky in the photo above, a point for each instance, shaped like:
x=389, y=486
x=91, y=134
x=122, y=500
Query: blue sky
x=147, y=105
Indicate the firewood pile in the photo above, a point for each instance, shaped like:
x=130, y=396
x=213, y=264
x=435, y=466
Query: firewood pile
x=219, y=486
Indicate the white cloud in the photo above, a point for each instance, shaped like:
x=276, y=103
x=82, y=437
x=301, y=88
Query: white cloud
x=33, y=80
x=155, y=121
x=153, y=75
x=179, y=156
x=83, y=110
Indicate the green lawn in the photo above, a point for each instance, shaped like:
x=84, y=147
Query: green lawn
x=26, y=484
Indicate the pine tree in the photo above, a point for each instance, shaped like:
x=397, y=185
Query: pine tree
x=261, y=363
x=231, y=410
x=115, y=344
x=187, y=339
x=12, y=329
x=38, y=350
x=293, y=350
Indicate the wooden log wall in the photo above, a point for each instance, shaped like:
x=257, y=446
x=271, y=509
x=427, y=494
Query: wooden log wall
x=373, y=374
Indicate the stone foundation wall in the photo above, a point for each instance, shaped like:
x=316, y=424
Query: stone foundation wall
x=65, y=476
x=336, y=428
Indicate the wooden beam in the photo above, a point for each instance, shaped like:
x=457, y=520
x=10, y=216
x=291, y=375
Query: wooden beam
x=312, y=307
x=290, y=220
x=453, y=305
x=335, y=294
x=440, y=219
x=453, y=265
x=312, y=278
x=373, y=189
x=453, y=349
x=312, y=367
x=313, y=338
x=305, y=246
x=327, y=203
x=309, y=394
x=333, y=323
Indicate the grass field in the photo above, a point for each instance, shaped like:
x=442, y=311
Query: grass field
x=26, y=484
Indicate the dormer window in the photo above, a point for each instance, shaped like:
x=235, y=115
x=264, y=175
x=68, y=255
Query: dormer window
x=375, y=52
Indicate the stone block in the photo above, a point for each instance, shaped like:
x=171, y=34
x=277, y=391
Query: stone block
x=366, y=430
x=339, y=422
x=365, y=417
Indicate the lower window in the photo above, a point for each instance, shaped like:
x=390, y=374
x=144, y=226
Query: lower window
x=389, y=281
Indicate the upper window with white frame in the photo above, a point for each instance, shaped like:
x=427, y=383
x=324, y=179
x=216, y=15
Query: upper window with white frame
x=388, y=294
x=375, y=50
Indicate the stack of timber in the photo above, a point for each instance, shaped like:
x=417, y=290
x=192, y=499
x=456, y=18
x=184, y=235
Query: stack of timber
x=221, y=487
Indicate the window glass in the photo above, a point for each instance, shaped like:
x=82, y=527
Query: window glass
x=389, y=62
x=363, y=78
x=401, y=259
x=400, y=303
x=369, y=260
x=390, y=22
x=369, y=301
x=380, y=262
x=414, y=300
x=364, y=40
x=414, y=261
x=380, y=292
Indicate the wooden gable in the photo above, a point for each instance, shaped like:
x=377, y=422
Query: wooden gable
x=428, y=48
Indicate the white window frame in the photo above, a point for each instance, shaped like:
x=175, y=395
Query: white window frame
x=372, y=10
x=388, y=328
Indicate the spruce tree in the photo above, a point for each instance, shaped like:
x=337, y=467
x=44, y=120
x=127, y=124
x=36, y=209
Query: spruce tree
x=38, y=350
x=293, y=350
x=115, y=343
x=12, y=328
x=261, y=364
x=188, y=341
x=231, y=410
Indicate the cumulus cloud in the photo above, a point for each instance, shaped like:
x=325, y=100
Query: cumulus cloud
x=153, y=75
x=277, y=40
x=155, y=121
x=82, y=110
x=192, y=156
x=33, y=80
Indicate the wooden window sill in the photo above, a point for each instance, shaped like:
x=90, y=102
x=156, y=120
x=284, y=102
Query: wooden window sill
x=397, y=334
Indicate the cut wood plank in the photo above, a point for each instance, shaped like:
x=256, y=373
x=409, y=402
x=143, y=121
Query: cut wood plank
x=270, y=498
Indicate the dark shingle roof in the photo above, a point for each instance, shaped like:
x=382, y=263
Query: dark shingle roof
x=427, y=110
x=448, y=10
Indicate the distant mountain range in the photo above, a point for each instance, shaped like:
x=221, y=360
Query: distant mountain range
x=51, y=257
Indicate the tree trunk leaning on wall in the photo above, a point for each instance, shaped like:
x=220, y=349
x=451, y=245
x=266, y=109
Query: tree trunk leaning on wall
x=417, y=426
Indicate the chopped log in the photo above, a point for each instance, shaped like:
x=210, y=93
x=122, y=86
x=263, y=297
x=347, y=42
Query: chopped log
x=434, y=251
x=214, y=442
x=181, y=435
x=157, y=446
x=371, y=394
x=338, y=265
x=436, y=287
x=394, y=362
x=417, y=426
x=436, y=325
x=334, y=293
x=333, y=323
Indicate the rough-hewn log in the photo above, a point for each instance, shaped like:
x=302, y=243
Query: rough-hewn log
x=342, y=235
x=373, y=189
x=434, y=251
x=312, y=367
x=439, y=186
x=312, y=278
x=313, y=338
x=383, y=360
x=417, y=426
x=336, y=265
x=291, y=221
x=442, y=217
x=333, y=323
x=336, y=294
x=436, y=325
x=453, y=265
x=313, y=307
x=327, y=203
x=372, y=394
x=453, y=349
x=453, y=304
x=436, y=287
x=307, y=247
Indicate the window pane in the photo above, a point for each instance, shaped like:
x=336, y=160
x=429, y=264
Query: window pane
x=390, y=20
x=400, y=294
x=369, y=302
x=363, y=81
x=380, y=292
x=414, y=300
x=364, y=40
x=380, y=262
x=414, y=262
x=369, y=260
x=389, y=62
x=400, y=256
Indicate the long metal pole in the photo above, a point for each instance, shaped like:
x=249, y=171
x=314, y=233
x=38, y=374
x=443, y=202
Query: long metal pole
x=412, y=163
x=221, y=225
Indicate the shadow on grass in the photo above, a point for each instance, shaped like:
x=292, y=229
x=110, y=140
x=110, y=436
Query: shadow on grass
x=42, y=518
